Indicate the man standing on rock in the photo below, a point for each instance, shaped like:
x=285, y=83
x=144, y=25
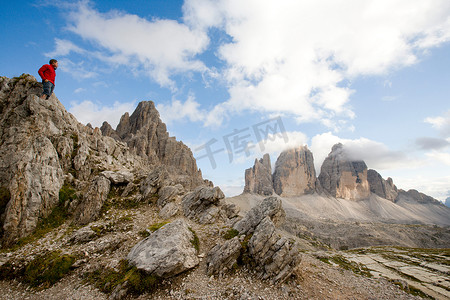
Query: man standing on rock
x=48, y=74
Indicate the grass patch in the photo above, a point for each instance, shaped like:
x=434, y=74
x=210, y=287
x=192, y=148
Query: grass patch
x=350, y=265
x=195, y=242
x=230, y=233
x=43, y=271
x=135, y=281
x=156, y=226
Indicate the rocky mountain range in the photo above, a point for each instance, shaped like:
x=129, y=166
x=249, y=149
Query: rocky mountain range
x=340, y=177
x=103, y=213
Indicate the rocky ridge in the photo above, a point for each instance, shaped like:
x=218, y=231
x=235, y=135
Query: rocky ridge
x=44, y=147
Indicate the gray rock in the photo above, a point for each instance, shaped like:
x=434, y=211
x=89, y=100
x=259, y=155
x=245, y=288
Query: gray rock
x=383, y=188
x=258, y=180
x=93, y=200
x=294, y=173
x=275, y=255
x=169, y=210
x=83, y=235
x=169, y=194
x=270, y=207
x=342, y=177
x=204, y=205
x=119, y=177
x=166, y=252
x=147, y=136
x=222, y=257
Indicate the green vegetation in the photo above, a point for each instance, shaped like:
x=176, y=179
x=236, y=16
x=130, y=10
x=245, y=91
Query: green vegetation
x=156, y=226
x=135, y=281
x=43, y=271
x=350, y=265
x=47, y=269
x=230, y=233
x=114, y=200
x=195, y=242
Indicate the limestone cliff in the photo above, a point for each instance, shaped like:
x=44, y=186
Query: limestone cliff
x=381, y=187
x=147, y=136
x=258, y=180
x=42, y=147
x=342, y=177
x=294, y=173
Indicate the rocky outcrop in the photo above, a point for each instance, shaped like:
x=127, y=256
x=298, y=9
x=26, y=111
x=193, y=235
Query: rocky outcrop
x=342, y=177
x=222, y=257
x=275, y=255
x=383, y=188
x=147, y=136
x=89, y=208
x=205, y=205
x=270, y=207
x=294, y=173
x=166, y=252
x=258, y=180
x=42, y=146
x=270, y=253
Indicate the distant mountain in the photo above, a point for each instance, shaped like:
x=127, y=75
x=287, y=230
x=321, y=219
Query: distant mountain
x=447, y=202
x=342, y=178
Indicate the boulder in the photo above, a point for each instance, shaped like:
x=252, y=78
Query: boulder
x=166, y=252
x=222, y=257
x=270, y=207
x=275, y=255
x=271, y=254
x=294, y=173
x=204, y=205
x=258, y=180
x=342, y=177
x=118, y=177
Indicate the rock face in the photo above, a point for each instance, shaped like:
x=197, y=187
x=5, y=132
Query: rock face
x=294, y=173
x=343, y=178
x=166, y=252
x=41, y=146
x=271, y=254
x=258, y=180
x=383, y=188
x=414, y=195
x=147, y=136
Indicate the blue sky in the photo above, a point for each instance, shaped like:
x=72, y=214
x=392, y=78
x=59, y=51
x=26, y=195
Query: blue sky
x=374, y=75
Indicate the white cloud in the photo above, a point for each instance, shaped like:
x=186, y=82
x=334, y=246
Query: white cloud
x=77, y=70
x=160, y=47
x=79, y=90
x=297, y=56
x=376, y=155
x=178, y=110
x=63, y=48
x=441, y=123
x=90, y=112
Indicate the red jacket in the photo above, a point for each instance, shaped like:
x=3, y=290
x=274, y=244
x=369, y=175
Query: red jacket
x=47, y=72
